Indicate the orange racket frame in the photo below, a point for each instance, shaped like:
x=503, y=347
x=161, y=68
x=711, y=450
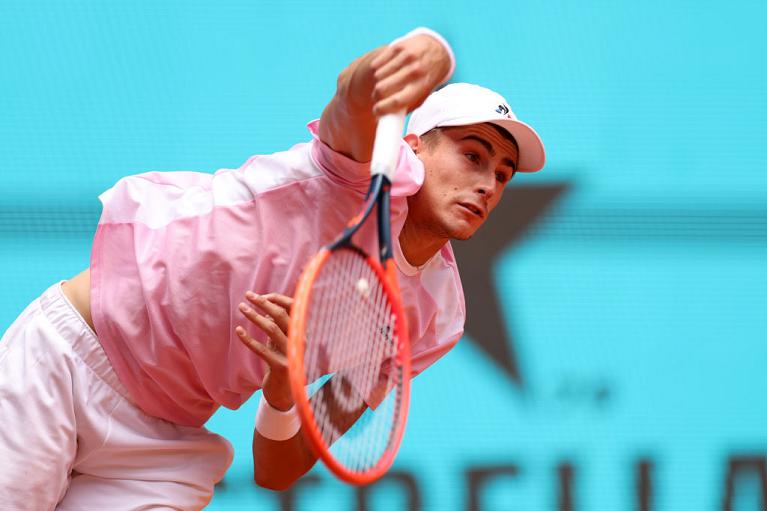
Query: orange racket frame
x=386, y=150
x=298, y=383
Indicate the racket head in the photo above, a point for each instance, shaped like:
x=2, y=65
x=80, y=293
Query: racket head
x=348, y=322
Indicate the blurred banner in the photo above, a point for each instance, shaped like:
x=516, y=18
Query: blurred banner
x=614, y=355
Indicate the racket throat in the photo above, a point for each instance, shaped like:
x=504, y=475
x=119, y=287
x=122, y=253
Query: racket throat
x=384, y=223
x=376, y=194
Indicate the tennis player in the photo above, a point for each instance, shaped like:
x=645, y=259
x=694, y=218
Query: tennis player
x=107, y=379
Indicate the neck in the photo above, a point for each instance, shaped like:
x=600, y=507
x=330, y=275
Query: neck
x=418, y=245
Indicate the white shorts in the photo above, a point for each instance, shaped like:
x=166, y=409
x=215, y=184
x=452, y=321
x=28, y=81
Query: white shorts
x=70, y=438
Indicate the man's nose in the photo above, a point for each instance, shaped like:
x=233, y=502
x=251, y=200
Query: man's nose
x=486, y=186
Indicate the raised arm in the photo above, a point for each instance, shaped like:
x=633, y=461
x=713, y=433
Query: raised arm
x=388, y=79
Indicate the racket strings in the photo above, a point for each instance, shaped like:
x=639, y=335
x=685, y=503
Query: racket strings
x=376, y=326
x=382, y=351
x=350, y=333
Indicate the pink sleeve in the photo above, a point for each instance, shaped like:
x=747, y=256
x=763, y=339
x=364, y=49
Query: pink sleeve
x=423, y=359
x=419, y=361
x=356, y=175
x=436, y=313
x=437, y=321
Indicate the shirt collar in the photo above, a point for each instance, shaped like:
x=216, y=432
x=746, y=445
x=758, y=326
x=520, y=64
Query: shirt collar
x=402, y=263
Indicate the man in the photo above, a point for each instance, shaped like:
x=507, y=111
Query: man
x=108, y=379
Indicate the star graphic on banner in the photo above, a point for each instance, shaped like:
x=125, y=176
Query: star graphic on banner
x=520, y=208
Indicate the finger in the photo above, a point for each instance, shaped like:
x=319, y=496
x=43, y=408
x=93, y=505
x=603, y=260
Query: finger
x=385, y=54
x=284, y=301
x=250, y=313
x=407, y=99
x=278, y=313
x=409, y=75
x=397, y=61
x=269, y=326
x=271, y=357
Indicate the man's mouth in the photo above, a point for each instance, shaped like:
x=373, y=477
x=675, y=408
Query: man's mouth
x=480, y=212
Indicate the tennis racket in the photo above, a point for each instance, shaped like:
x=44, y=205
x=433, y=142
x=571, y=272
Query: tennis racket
x=348, y=347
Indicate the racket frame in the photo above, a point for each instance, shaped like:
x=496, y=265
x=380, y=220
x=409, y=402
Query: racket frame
x=378, y=194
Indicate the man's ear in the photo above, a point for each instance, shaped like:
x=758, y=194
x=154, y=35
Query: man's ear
x=414, y=141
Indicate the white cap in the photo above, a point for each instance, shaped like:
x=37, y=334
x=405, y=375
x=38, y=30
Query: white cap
x=460, y=104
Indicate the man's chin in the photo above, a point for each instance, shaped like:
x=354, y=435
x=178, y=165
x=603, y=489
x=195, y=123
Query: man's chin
x=460, y=230
x=463, y=234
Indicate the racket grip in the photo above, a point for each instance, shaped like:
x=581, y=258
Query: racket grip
x=386, y=145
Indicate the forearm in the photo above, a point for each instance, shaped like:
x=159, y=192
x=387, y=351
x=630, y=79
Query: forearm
x=278, y=464
x=352, y=105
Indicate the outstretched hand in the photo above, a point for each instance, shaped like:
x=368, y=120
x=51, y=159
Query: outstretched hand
x=406, y=72
x=273, y=321
x=390, y=79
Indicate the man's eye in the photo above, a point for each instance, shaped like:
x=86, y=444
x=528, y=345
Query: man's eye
x=472, y=157
x=501, y=177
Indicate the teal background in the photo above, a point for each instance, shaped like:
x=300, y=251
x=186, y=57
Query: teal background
x=638, y=301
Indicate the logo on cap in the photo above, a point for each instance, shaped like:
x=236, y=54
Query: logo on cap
x=502, y=109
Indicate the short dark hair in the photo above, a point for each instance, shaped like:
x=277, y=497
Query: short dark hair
x=505, y=134
x=429, y=139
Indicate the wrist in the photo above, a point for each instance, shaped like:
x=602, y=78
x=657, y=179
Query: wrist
x=278, y=396
x=276, y=424
x=354, y=88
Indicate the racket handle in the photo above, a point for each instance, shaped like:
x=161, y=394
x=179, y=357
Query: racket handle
x=386, y=145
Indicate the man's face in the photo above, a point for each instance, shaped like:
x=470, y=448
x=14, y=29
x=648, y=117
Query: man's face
x=467, y=168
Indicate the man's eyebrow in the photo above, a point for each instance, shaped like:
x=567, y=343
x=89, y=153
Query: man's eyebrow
x=482, y=141
x=487, y=145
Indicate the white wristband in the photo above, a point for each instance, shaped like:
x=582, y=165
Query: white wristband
x=439, y=38
x=275, y=424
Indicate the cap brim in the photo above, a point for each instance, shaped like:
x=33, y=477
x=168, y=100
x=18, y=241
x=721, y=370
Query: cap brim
x=532, y=155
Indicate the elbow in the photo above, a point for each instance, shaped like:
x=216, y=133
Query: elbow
x=277, y=475
x=272, y=481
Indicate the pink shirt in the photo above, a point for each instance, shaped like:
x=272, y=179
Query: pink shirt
x=175, y=252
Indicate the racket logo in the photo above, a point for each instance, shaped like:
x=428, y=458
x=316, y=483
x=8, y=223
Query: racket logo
x=386, y=332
